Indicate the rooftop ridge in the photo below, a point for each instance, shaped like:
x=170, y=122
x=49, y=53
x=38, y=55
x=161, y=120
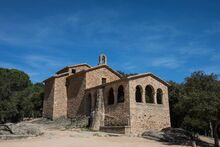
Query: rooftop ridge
x=147, y=74
x=74, y=65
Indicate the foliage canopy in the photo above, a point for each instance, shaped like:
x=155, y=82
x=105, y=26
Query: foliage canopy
x=19, y=98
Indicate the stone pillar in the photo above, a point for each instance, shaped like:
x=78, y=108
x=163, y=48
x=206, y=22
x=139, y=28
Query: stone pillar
x=144, y=96
x=155, y=97
x=99, y=113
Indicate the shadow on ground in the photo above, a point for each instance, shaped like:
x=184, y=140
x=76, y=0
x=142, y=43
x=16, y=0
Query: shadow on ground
x=175, y=136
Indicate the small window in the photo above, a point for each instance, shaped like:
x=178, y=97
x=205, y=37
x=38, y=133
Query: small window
x=73, y=71
x=103, y=80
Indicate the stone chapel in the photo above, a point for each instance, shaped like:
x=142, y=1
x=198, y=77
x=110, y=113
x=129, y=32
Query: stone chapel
x=114, y=103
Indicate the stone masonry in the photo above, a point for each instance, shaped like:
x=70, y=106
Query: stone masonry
x=128, y=105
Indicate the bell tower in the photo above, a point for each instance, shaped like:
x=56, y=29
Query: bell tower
x=102, y=59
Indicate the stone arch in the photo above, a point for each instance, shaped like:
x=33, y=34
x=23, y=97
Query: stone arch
x=111, y=96
x=120, y=97
x=138, y=94
x=159, y=96
x=149, y=94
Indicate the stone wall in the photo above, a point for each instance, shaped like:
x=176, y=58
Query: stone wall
x=78, y=68
x=148, y=116
x=116, y=114
x=60, y=98
x=94, y=77
x=76, y=95
x=48, y=99
x=68, y=96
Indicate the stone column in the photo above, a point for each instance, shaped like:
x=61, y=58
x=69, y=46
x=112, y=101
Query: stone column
x=155, y=97
x=99, y=113
x=143, y=96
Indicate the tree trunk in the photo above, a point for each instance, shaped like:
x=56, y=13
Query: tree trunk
x=211, y=129
x=193, y=143
x=215, y=133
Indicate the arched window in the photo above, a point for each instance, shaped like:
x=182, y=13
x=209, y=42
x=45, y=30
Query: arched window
x=138, y=94
x=159, y=96
x=111, y=96
x=149, y=94
x=120, y=94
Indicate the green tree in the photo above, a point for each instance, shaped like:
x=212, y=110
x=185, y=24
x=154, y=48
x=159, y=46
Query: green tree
x=19, y=98
x=176, y=92
x=12, y=81
x=200, y=103
x=30, y=101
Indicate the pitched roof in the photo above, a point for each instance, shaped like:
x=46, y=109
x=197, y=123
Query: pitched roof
x=131, y=78
x=72, y=66
x=82, y=64
x=106, y=66
x=56, y=76
x=83, y=71
x=148, y=74
x=97, y=67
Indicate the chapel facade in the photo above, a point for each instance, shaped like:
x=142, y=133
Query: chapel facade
x=114, y=103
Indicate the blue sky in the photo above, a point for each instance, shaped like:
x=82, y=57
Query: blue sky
x=170, y=38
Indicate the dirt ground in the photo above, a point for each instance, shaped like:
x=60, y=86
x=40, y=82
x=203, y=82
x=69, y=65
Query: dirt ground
x=80, y=139
x=60, y=137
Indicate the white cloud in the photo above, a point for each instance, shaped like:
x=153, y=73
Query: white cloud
x=151, y=41
x=194, y=48
x=39, y=61
x=129, y=66
x=166, y=62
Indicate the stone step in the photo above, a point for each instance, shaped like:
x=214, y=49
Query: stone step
x=115, y=129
